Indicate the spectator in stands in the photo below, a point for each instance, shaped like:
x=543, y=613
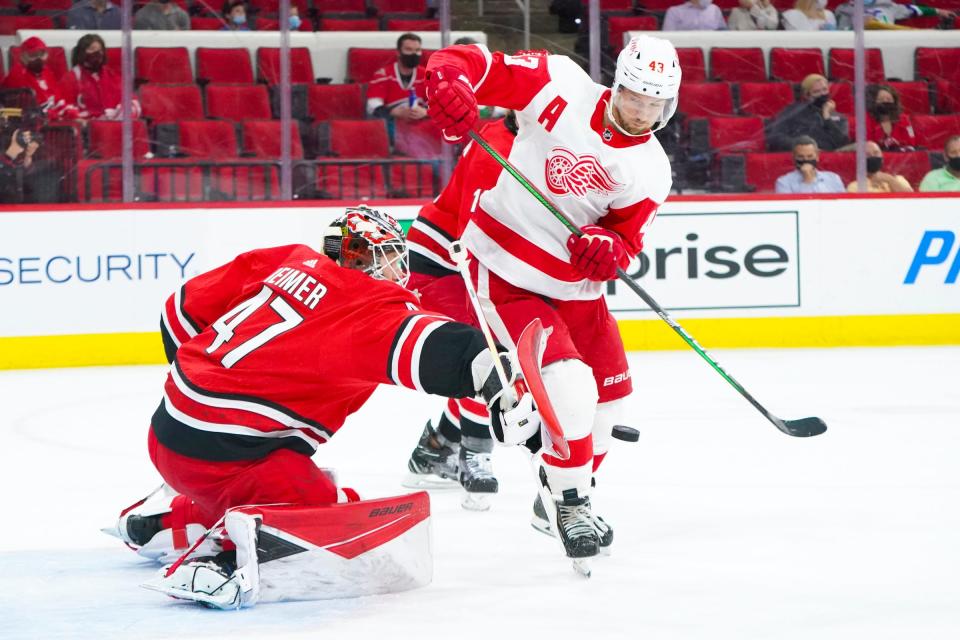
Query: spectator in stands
x=34, y=74
x=235, y=16
x=753, y=15
x=806, y=178
x=161, y=15
x=883, y=14
x=24, y=177
x=93, y=15
x=814, y=115
x=887, y=124
x=397, y=90
x=809, y=15
x=947, y=177
x=694, y=15
x=92, y=84
x=880, y=181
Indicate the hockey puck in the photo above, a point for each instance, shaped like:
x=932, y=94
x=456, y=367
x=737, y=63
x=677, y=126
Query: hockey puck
x=627, y=434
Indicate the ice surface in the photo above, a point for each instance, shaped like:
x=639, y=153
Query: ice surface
x=725, y=527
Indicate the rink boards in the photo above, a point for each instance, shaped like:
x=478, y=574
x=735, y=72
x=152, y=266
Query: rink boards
x=85, y=286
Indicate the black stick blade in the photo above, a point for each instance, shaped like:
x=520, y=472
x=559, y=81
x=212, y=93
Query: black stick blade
x=802, y=428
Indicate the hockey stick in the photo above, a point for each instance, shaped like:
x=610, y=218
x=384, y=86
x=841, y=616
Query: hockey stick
x=530, y=347
x=801, y=428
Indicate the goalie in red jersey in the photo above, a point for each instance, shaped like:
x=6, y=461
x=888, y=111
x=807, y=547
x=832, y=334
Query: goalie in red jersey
x=270, y=354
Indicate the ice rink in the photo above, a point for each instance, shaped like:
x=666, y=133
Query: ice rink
x=725, y=527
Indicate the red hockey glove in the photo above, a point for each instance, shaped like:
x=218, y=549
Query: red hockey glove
x=452, y=103
x=597, y=253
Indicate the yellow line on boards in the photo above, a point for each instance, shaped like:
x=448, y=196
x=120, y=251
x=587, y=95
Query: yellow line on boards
x=37, y=352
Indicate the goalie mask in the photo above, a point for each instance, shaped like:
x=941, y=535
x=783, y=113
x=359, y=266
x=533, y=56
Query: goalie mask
x=648, y=67
x=369, y=241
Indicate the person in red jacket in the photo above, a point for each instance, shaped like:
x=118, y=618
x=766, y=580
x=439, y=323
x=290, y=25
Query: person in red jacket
x=92, y=84
x=887, y=124
x=34, y=74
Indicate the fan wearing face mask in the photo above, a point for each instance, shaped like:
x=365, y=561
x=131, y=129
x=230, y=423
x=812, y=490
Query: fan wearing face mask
x=814, y=114
x=808, y=177
x=694, y=15
x=397, y=89
x=34, y=74
x=878, y=180
x=92, y=84
x=947, y=177
x=887, y=124
x=809, y=15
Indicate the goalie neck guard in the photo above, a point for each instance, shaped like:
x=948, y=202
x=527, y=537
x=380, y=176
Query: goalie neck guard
x=648, y=66
x=369, y=241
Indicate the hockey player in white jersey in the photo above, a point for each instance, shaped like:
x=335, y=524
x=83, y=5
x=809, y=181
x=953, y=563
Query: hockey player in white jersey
x=591, y=150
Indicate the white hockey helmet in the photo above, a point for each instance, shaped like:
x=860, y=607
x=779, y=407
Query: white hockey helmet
x=649, y=66
x=369, y=241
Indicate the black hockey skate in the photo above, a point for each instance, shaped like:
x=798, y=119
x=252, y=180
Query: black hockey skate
x=433, y=464
x=141, y=529
x=476, y=474
x=541, y=523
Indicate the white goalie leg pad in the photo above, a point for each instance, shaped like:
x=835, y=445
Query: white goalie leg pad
x=573, y=392
x=607, y=416
x=288, y=552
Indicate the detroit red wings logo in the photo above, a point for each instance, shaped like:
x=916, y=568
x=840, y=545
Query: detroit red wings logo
x=569, y=174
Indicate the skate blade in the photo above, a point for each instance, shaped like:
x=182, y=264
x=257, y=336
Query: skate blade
x=582, y=567
x=543, y=527
x=112, y=531
x=418, y=481
x=476, y=501
x=226, y=602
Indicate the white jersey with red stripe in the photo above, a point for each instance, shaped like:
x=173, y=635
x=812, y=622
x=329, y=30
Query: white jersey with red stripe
x=276, y=348
x=591, y=171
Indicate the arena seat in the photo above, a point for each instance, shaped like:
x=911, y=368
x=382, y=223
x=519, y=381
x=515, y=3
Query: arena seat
x=47, y=5
x=238, y=101
x=793, y=65
x=106, y=141
x=912, y=165
x=842, y=67
x=842, y=94
x=272, y=24
x=736, y=134
x=418, y=7
x=737, y=64
x=163, y=65
x=362, y=63
x=208, y=139
x=360, y=24
x=618, y=25
x=171, y=102
x=937, y=64
x=9, y=25
x=948, y=96
x=419, y=139
x=268, y=65
x=206, y=24
x=704, y=99
x=692, y=64
x=224, y=65
x=272, y=7
x=261, y=139
x=932, y=131
x=763, y=169
x=335, y=101
x=323, y=7
x=914, y=96
x=56, y=60
x=764, y=99
x=843, y=163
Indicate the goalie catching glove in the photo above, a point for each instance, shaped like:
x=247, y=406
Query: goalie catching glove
x=452, y=103
x=514, y=418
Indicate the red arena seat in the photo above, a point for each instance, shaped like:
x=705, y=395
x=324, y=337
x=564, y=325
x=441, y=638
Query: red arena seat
x=937, y=63
x=106, y=141
x=764, y=99
x=224, y=65
x=736, y=134
x=617, y=26
x=238, y=101
x=268, y=65
x=171, y=103
x=9, y=25
x=208, y=139
x=842, y=94
x=206, y=24
x=912, y=165
x=932, y=131
x=261, y=139
x=737, y=64
x=363, y=63
x=948, y=96
x=843, y=163
x=704, y=99
x=334, y=101
x=763, y=169
x=841, y=65
x=360, y=24
x=165, y=65
x=914, y=96
x=340, y=6
x=692, y=64
x=400, y=24
x=401, y=6
x=793, y=65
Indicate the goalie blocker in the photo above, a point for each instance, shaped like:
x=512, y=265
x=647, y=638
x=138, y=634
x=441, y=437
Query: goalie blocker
x=292, y=552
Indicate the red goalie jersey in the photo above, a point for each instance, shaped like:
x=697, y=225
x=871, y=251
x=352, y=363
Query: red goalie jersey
x=276, y=348
x=593, y=173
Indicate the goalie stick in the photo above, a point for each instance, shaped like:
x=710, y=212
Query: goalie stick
x=801, y=428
